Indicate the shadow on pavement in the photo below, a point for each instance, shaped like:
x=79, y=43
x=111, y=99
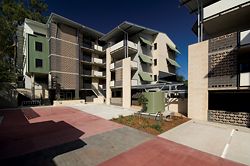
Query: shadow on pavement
x=25, y=143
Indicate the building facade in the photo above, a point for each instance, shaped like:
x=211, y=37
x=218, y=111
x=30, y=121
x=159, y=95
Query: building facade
x=82, y=63
x=219, y=64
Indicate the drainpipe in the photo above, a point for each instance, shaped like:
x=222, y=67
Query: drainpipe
x=126, y=41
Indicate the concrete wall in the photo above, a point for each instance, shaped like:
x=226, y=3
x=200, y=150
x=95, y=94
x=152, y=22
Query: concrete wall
x=126, y=83
x=177, y=105
x=198, y=81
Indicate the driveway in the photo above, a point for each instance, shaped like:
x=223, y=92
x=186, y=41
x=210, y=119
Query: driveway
x=226, y=141
x=104, y=111
x=66, y=136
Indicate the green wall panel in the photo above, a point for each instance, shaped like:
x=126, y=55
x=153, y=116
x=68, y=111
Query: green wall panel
x=33, y=54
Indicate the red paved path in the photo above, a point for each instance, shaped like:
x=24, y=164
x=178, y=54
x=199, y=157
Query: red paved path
x=161, y=152
x=29, y=130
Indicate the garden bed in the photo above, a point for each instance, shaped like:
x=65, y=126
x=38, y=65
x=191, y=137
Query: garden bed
x=149, y=125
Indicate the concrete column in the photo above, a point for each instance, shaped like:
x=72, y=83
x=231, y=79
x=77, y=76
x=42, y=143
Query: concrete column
x=32, y=86
x=126, y=83
x=108, y=76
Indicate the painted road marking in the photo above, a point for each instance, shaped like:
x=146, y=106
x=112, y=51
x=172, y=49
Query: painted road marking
x=227, y=145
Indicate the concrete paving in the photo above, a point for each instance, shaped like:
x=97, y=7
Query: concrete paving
x=102, y=147
x=67, y=136
x=230, y=142
x=104, y=111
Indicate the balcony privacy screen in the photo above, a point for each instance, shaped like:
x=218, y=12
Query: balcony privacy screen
x=145, y=76
x=145, y=58
x=146, y=41
x=173, y=62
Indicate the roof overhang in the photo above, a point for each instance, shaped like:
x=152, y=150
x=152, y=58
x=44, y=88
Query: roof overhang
x=192, y=5
x=227, y=22
x=60, y=19
x=130, y=28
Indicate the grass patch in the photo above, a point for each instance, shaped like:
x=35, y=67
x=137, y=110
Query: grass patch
x=151, y=126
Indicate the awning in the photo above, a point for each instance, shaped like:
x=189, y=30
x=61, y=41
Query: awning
x=145, y=76
x=173, y=48
x=173, y=62
x=145, y=41
x=145, y=58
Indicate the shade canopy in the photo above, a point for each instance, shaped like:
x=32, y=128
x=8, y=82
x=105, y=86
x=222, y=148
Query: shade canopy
x=173, y=62
x=146, y=41
x=145, y=76
x=173, y=48
x=145, y=58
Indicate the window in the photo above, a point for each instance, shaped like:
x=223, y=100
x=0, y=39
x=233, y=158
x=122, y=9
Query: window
x=155, y=46
x=39, y=63
x=155, y=77
x=155, y=62
x=39, y=46
x=244, y=68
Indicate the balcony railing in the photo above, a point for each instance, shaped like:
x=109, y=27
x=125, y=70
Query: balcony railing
x=134, y=82
x=134, y=64
x=245, y=37
x=245, y=79
x=91, y=45
x=222, y=6
x=112, y=83
x=121, y=44
x=98, y=73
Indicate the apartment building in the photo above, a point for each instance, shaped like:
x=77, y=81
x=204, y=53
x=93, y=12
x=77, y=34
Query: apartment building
x=81, y=63
x=32, y=60
x=136, y=56
x=219, y=64
x=77, y=59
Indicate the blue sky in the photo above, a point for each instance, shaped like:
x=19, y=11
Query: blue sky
x=162, y=15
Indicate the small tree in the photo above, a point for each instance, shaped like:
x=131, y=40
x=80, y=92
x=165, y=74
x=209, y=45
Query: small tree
x=142, y=100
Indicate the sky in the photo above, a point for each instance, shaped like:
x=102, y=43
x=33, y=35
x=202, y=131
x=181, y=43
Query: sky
x=162, y=15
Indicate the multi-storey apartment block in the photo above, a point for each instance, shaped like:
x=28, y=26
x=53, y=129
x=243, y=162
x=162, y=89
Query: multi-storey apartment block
x=219, y=64
x=81, y=63
x=136, y=56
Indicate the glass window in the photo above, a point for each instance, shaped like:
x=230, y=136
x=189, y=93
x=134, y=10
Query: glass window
x=39, y=46
x=39, y=63
x=155, y=46
x=155, y=62
x=244, y=68
x=155, y=77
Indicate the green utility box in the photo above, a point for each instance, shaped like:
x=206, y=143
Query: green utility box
x=155, y=102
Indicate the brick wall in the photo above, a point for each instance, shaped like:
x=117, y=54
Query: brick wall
x=67, y=81
x=64, y=55
x=234, y=118
x=64, y=64
x=222, y=61
x=63, y=48
x=67, y=33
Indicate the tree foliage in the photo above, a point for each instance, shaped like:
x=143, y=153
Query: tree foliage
x=12, y=14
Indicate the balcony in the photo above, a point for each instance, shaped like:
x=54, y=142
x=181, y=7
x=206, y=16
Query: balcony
x=112, y=83
x=134, y=65
x=93, y=61
x=245, y=37
x=118, y=64
x=231, y=17
x=98, y=60
x=222, y=6
x=98, y=73
x=91, y=46
x=115, y=83
x=118, y=50
x=134, y=82
x=245, y=79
